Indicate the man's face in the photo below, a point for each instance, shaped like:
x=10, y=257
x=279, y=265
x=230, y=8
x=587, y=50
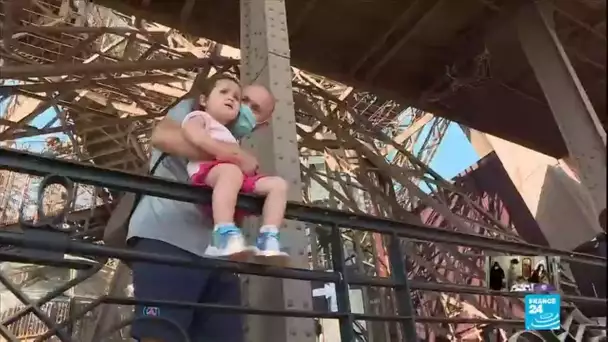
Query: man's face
x=260, y=101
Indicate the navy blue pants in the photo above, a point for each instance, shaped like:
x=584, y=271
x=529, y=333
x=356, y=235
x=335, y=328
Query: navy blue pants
x=163, y=282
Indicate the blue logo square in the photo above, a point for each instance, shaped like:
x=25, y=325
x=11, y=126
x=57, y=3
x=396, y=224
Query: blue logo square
x=542, y=312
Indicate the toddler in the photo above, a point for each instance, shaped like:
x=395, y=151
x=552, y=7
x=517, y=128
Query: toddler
x=221, y=101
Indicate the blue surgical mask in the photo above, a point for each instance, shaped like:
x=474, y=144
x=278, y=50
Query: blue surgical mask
x=244, y=123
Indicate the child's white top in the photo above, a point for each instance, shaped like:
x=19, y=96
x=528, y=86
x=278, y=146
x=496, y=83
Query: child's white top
x=215, y=129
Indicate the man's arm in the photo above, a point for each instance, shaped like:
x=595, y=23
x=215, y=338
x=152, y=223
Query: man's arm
x=167, y=137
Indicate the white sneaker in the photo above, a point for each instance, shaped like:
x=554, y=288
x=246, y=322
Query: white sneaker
x=228, y=241
x=269, y=250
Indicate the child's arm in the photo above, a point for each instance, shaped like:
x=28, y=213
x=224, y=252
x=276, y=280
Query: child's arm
x=195, y=130
x=168, y=137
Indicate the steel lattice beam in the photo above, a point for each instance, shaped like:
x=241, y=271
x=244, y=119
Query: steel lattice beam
x=119, y=92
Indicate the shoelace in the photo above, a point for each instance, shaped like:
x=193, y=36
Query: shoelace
x=265, y=238
x=225, y=234
x=269, y=235
x=229, y=232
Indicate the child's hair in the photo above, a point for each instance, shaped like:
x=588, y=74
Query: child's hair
x=205, y=87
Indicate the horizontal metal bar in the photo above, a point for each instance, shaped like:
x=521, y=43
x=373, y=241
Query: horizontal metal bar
x=76, y=247
x=25, y=162
x=9, y=256
x=46, y=70
x=227, y=309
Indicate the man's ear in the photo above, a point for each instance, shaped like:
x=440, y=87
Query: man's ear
x=258, y=126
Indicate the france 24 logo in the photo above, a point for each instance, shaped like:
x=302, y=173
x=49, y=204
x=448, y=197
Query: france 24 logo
x=542, y=312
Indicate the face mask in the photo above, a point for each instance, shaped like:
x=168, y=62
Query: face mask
x=244, y=123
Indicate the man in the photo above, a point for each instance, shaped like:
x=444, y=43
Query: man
x=512, y=273
x=164, y=226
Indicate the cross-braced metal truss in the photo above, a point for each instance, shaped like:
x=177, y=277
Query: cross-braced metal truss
x=107, y=79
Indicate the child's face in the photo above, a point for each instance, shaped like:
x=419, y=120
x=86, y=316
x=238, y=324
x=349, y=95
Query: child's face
x=224, y=100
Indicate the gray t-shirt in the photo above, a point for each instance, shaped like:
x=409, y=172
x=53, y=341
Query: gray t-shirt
x=180, y=224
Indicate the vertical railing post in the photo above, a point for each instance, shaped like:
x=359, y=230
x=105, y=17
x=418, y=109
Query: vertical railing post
x=402, y=291
x=265, y=60
x=347, y=333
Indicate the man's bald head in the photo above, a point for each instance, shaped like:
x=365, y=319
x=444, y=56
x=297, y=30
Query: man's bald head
x=260, y=100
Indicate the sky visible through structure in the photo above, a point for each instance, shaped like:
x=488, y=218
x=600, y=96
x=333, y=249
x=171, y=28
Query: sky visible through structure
x=454, y=154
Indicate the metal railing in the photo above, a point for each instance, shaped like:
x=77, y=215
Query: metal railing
x=66, y=172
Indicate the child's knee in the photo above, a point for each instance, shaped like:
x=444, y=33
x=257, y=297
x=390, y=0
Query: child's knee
x=228, y=171
x=270, y=184
x=279, y=184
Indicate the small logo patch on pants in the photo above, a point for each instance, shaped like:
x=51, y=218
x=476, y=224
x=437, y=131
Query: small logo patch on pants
x=151, y=311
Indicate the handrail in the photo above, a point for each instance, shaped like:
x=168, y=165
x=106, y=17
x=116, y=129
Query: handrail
x=66, y=172
x=83, y=248
x=25, y=162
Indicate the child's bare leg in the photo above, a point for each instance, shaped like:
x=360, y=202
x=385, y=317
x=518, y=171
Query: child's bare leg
x=226, y=181
x=275, y=189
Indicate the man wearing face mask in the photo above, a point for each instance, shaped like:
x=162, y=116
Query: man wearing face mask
x=161, y=225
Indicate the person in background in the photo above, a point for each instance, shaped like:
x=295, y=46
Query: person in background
x=512, y=273
x=497, y=277
x=160, y=225
x=539, y=275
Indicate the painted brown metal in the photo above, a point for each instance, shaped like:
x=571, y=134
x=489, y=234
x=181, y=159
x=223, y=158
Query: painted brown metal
x=460, y=60
x=488, y=184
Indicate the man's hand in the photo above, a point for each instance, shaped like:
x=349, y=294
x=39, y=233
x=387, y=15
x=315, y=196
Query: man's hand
x=248, y=163
x=233, y=153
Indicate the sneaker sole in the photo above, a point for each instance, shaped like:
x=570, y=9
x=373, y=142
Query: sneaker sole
x=280, y=259
x=244, y=255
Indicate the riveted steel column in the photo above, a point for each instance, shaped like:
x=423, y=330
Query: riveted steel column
x=265, y=59
x=581, y=129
